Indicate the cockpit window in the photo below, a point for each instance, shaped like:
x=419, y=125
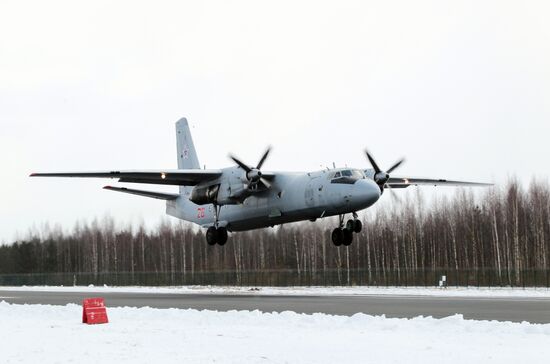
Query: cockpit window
x=346, y=176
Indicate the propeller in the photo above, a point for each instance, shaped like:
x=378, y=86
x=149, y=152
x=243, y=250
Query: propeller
x=380, y=176
x=253, y=174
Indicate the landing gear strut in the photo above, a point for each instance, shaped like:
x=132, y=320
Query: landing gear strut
x=344, y=235
x=216, y=234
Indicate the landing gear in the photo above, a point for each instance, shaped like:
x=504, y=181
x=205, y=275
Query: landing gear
x=348, y=237
x=344, y=235
x=354, y=225
x=222, y=236
x=212, y=235
x=358, y=226
x=338, y=236
x=216, y=234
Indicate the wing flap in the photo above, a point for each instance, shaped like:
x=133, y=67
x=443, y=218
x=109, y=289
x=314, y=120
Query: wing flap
x=152, y=194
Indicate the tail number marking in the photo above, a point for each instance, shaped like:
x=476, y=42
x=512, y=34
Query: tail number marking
x=200, y=212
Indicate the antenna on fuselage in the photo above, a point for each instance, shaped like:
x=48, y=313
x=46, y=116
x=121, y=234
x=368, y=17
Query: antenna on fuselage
x=333, y=165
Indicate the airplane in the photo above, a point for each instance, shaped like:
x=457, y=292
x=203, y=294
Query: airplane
x=252, y=198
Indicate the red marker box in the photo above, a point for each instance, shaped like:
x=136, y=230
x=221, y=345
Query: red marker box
x=94, y=311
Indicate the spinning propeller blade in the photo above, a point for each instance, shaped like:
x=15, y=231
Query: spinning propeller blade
x=240, y=164
x=262, y=160
x=381, y=177
x=253, y=174
x=397, y=164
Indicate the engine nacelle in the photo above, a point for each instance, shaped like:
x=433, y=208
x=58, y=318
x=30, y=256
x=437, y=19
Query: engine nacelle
x=202, y=195
x=233, y=191
x=229, y=192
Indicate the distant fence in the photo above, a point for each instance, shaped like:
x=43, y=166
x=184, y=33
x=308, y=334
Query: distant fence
x=336, y=277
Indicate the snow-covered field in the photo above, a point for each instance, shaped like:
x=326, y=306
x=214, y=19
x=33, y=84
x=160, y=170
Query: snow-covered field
x=335, y=291
x=54, y=334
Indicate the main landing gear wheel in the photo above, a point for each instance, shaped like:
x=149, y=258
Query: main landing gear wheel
x=358, y=226
x=212, y=235
x=338, y=236
x=343, y=234
x=222, y=236
x=216, y=235
x=348, y=237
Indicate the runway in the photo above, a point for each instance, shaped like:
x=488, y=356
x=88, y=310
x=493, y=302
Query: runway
x=534, y=310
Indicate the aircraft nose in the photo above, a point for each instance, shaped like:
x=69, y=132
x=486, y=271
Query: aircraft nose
x=366, y=192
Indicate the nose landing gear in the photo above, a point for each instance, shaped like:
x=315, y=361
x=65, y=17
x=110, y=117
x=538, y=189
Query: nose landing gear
x=344, y=235
x=354, y=225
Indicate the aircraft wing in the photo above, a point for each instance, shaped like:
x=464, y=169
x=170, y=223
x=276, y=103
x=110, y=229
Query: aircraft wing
x=177, y=177
x=404, y=182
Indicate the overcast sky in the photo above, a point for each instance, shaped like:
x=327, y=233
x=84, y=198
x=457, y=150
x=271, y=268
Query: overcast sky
x=460, y=88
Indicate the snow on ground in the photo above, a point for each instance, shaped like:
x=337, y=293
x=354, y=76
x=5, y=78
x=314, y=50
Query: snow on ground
x=313, y=291
x=54, y=334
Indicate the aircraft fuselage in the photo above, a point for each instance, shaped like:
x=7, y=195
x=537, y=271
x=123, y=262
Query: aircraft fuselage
x=292, y=197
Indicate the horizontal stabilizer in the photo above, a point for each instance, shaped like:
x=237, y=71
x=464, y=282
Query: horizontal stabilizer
x=157, y=195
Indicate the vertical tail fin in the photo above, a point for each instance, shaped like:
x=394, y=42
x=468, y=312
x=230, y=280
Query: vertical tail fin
x=187, y=155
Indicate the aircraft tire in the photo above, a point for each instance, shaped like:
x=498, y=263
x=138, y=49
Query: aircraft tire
x=348, y=237
x=222, y=236
x=357, y=226
x=211, y=236
x=337, y=236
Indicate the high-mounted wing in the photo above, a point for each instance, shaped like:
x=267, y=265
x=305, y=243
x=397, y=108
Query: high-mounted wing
x=178, y=177
x=404, y=182
x=383, y=178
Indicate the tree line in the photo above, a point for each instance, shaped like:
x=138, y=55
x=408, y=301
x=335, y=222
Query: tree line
x=499, y=237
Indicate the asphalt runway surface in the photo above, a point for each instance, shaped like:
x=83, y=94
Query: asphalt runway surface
x=534, y=310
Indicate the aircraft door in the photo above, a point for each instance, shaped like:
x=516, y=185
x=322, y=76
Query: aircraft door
x=314, y=192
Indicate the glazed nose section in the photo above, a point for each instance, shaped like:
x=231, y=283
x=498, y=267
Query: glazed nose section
x=366, y=192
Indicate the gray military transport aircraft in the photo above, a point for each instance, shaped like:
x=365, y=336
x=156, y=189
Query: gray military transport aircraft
x=252, y=198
